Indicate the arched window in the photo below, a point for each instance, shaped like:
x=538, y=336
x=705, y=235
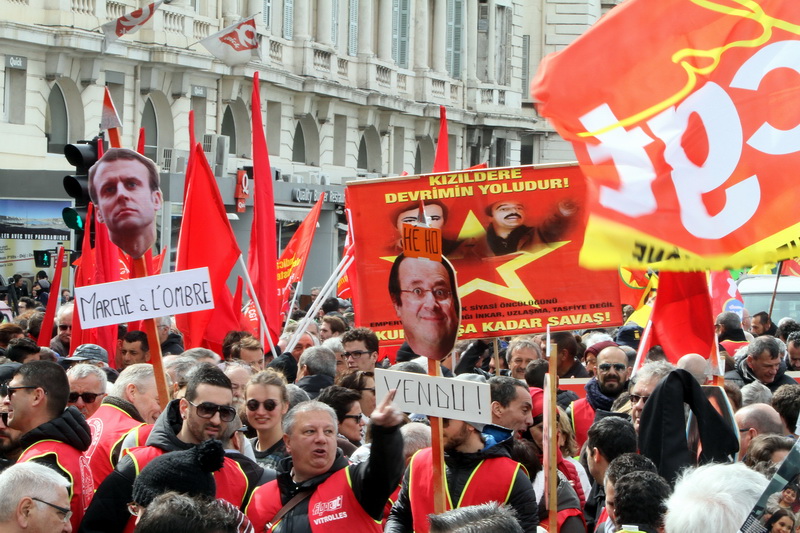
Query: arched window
x=56, y=122
x=150, y=125
x=229, y=129
x=299, y=145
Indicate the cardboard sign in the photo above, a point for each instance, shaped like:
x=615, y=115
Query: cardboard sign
x=140, y=298
x=436, y=396
x=513, y=236
x=421, y=241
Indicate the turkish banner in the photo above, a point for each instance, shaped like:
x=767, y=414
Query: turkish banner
x=687, y=131
x=513, y=236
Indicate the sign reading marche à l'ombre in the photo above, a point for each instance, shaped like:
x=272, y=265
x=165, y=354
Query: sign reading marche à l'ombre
x=436, y=396
x=150, y=297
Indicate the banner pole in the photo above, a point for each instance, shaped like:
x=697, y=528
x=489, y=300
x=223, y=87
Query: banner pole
x=496, y=345
x=151, y=328
x=775, y=290
x=260, y=313
x=437, y=448
x=552, y=437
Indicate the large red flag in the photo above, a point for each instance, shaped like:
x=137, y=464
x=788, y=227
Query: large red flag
x=682, y=320
x=46, y=330
x=206, y=240
x=292, y=262
x=441, y=163
x=686, y=130
x=263, y=256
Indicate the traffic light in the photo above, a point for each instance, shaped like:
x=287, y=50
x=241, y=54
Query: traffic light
x=42, y=258
x=82, y=156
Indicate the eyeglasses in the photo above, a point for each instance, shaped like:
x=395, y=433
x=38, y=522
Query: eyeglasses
x=605, y=367
x=208, y=410
x=6, y=390
x=439, y=294
x=357, y=418
x=135, y=509
x=65, y=513
x=371, y=389
x=64, y=327
x=269, y=405
x=87, y=397
x=635, y=398
x=356, y=354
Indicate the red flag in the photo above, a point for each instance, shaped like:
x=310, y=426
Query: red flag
x=106, y=255
x=632, y=283
x=292, y=262
x=790, y=267
x=206, y=240
x=263, y=256
x=46, y=329
x=140, y=144
x=441, y=162
x=682, y=321
x=345, y=287
x=687, y=169
x=725, y=293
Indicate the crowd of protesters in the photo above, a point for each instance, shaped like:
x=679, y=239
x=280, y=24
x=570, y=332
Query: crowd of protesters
x=298, y=441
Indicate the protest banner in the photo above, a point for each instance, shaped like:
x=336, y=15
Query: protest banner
x=436, y=396
x=687, y=132
x=512, y=235
x=145, y=297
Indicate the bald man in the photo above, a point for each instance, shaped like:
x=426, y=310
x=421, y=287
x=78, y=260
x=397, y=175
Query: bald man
x=757, y=419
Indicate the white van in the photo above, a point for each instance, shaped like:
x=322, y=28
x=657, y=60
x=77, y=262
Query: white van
x=757, y=294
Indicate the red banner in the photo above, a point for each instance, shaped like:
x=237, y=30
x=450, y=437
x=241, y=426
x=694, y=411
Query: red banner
x=687, y=129
x=292, y=262
x=513, y=236
x=724, y=293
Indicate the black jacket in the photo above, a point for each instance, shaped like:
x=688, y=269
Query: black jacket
x=743, y=374
x=314, y=384
x=173, y=345
x=108, y=511
x=69, y=428
x=459, y=468
x=374, y=480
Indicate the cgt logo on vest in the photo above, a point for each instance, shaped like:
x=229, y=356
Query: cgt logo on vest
x=327, y=507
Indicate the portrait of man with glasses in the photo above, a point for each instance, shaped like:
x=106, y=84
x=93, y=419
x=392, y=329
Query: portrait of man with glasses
x=423, y=292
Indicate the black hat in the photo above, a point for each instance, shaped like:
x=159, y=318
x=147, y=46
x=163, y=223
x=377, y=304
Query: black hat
x=187, y=472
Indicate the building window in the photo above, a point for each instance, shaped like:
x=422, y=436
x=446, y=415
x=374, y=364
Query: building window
x=299, y=145
x=115, y=81
x=352, y=29
x=199, y=106
x=399, y=149
x=150, y=125
x=15, y=89
x=503, y=46
x=526, y=66
x=454, y=40
x=266, y=12
x=340, y=140
x=56, y=120
x=273, y=126
x=229, y=129
x=400, y=24
x=288, y=19
x=335, y=23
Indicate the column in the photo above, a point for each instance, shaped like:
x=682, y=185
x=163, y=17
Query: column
x=385, y=30
x=422, y=32
x=302, y=14
x=471, y=41
x=439, y=44
x=491, y=67
x=365, y=31
x=324, y=21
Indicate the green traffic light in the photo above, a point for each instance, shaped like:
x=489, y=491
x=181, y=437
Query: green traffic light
x=73, y=219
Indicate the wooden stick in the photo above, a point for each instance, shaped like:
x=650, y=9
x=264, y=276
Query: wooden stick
x=552, y=436
x=151, y=328
x=775, y=290
x=439, y=505
x=496, y=343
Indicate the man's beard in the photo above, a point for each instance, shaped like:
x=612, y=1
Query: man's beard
x=616, y=388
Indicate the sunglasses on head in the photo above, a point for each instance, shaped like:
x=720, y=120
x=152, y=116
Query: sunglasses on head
x=605, y=367
x=87, y=397
x=208, y=410
x=269, y=405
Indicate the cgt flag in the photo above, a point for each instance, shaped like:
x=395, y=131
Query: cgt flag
x=235, y=44
x=688, y=131
x=292, y=262
x=128, y=23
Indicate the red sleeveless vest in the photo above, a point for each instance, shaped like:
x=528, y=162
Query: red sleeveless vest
x=109, y=426
x=582, y=419
x=492, y=480
x=74, y=465
x=332, y=507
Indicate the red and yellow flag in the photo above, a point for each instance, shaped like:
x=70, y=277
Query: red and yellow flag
x=688, y=131
x=292, y=262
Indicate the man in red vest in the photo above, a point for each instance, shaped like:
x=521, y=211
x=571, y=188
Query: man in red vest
x=479, y=470
x=336, y=496
x=202, y=414
x=36, y=398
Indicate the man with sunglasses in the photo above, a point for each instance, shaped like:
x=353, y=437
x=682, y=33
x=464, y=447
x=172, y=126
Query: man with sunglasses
x=202, y=414
x=610, y=381
x=60, y=343
x=52, y=434
x=87, y=388
x=34, y=499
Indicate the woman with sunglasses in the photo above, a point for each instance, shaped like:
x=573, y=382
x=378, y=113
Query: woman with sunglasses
x=266, y=402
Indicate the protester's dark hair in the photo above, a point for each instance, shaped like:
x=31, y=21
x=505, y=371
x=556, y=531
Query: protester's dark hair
x=137, y=336
x=52, y=379
x=526, y=453
x=656, y=353
x=356, y=381
x=408, y=366
x=206, y=374
x=35, y=324
x=734, y=393
x=786, y=400
x=330, y=305
x=788, y=327
x=122, y=329
x=8, y=331
x=340, y=399
x=172, y=512
x=504, y=389
x=612, y=436
x=565, y=341
x=777, y=515
x=535, y=373
x=640, y=498
x=20, y=348
x=231, y=338
x=366, y=335
x=762, y=447
x=41, y=275
x=336, y=324
x=763, y=317
x=30, y=303
x=484, y=518
x=627, y=463
x=761, y=344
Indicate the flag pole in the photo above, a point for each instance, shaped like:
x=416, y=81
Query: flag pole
x=258, y=306
x=291, y=306
x=775, y=290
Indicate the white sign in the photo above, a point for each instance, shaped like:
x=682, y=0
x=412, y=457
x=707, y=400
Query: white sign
x=150, y=297
x=434, y=396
